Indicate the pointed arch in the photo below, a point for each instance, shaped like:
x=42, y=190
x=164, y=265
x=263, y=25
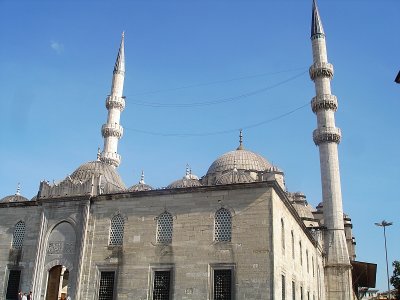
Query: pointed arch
x=117, y=230
x=18, y=235
x=223, y=225
x=165, y=226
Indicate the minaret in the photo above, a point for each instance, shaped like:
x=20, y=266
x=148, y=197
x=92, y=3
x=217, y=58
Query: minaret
x=115, y=103
x=327, y=137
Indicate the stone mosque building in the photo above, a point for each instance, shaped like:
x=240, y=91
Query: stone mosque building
x=234, y=233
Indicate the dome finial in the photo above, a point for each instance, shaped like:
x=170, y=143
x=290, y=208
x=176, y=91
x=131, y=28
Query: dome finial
x=240, y=140
x=98, y=153
x=142, y=178
x=18, y=192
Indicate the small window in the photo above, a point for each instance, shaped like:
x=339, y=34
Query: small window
x=292, y=244
x=13, y=284
x=283, y=287
x=106, y=289
x=301, y=253
x=301, y=293
x=117, y=231
x=161, y=285
x=307, y=261
x=18, y=236
x=223, y=226
x=293, y=291
x=165, y=224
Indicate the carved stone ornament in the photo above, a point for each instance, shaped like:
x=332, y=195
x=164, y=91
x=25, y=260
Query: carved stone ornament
x=112, y=130
x=113, y=159
x=61, y=248
x=115, y=102
x=324, y=102
x=327, y=134
x=321, y=69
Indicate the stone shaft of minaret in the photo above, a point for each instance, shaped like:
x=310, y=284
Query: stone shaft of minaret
x=112, y=131
x=327, y=137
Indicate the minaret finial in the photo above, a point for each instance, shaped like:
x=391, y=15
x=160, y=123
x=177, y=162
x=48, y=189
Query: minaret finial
x=142, y=178
x=98, y=153
x=316, y=24
x=240, y=140
x=187, y=173
x=18, y=192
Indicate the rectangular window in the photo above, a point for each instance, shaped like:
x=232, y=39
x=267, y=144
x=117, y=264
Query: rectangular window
x=223, y=284
x=106, y=289
x=308, y=296
x=293, y=291
x=161, y=285
x=13, y=284
x=283, y=288
x=301, y=293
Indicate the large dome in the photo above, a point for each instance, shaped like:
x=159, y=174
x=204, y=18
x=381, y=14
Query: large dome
x=241, y=159
x=97, y=168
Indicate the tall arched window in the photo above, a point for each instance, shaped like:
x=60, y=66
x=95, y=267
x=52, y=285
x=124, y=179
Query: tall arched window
x=223, y=226
x=165, y=225
x=301, y=253
x=283, y=235
x=18, y=236
x=292, y=244
x=117, y=231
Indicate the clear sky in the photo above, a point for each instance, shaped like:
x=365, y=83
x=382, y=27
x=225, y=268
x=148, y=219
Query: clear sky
x=233, y=64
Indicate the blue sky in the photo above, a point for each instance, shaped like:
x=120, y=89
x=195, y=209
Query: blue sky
x=56, y=65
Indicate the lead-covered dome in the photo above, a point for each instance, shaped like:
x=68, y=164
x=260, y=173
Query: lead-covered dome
x=96, y=168
x=17, y=197
x=189, y=180
x=141, y=186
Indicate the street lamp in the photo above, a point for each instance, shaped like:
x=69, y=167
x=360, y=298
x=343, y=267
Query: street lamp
x=384, y=224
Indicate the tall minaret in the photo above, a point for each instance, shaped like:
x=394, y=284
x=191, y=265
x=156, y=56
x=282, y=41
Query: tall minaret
x=327, y=137
x=115, y=103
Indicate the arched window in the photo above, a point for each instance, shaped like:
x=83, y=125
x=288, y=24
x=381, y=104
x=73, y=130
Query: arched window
x=18, y=236
x=223, y=226
x=283, y=236
x=165, y=225
x=308, y=265
x=117, y=231
x=301, y=253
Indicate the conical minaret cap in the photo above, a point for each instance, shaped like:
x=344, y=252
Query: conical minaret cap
x=120, y=62
x=316, y=24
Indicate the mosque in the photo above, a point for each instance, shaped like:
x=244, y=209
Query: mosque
x=234, y=233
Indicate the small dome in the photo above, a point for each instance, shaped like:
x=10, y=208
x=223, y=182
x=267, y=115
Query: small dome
x=241, y=159
x=141, y=186
x=14, y=198
x=189, y=180
x=17, y=197
x=97, y=168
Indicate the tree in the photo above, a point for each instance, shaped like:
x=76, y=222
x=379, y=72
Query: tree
x=395, y=279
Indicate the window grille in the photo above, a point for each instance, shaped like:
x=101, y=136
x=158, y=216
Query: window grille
x=117, y=230
x=283, y=288
x=165, y=225
x=161, y=288
x=223, y=284
x=106, y=290
x=223, y=226
x=13, y=285
x=18, y=236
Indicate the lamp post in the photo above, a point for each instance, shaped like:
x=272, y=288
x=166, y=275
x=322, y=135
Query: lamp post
x=384, y=224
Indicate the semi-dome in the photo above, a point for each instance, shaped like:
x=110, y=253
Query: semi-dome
x=141, y=186
x=97, y=168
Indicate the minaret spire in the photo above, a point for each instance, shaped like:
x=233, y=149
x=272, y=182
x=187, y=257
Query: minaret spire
x=327, y=137
x=112, y=131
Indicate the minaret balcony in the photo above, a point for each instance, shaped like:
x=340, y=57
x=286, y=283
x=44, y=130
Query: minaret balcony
x=115, y=102
x=324, y=102
x=113, y=159
x=115, y=130
x=327, y=135
x=321, y=69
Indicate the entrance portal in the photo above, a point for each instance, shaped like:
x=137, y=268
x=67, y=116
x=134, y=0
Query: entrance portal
x=57, y=283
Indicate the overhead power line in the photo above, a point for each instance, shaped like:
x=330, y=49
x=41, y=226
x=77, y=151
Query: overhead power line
x=182, y=134
x=223, y=100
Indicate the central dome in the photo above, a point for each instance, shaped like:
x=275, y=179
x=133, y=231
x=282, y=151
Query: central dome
x=241, y=159
x=97, y=168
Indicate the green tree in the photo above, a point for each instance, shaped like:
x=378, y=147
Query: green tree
x=395, y=279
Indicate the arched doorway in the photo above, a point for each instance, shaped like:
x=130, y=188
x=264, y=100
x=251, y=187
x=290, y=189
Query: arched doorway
x=57, y=283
